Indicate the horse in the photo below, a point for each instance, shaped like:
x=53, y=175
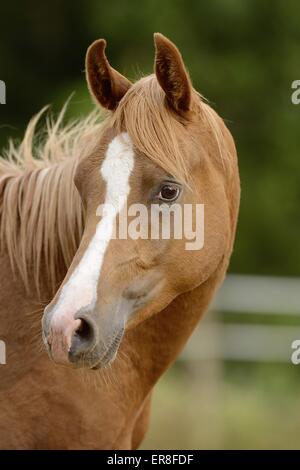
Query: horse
x=91, y=321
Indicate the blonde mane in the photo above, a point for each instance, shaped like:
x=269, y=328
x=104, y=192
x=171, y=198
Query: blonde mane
x=41, y=217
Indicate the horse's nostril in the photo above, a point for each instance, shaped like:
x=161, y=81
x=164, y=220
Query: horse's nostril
x=83, y=340
x=84, y=330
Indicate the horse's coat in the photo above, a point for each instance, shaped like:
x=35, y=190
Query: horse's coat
x=128, y=303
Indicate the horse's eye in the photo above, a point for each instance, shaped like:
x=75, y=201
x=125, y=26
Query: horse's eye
x=169, y=192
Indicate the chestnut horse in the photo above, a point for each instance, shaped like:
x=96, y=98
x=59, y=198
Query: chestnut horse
x=124, y=307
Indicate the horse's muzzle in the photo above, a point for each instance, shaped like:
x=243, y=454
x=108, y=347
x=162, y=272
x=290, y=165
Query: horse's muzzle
x=79, y=341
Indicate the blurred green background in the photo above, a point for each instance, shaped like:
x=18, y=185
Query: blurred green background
x=243, y=56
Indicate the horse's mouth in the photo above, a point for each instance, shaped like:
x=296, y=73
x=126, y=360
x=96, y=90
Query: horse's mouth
x=101, y=356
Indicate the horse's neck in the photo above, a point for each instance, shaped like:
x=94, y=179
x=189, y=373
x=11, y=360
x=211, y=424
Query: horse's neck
x=157, y=342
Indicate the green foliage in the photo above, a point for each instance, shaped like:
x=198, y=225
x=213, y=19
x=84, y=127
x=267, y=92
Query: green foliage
x=243, y=56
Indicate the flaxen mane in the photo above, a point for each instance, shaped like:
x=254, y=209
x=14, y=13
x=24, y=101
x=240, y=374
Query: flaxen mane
x=41, y=217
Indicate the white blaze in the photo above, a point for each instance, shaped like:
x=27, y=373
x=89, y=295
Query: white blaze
x=81, y=289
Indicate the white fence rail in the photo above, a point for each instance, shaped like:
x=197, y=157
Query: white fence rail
x=259, y=294
x=260, y=342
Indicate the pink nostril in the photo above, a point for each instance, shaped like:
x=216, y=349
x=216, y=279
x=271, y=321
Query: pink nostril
x=60, y=337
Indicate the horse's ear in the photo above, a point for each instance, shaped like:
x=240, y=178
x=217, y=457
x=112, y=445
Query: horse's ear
x=171, y=74
x=106, y=84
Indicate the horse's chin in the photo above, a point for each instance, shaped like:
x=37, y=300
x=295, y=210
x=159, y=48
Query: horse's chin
x=104, y=358
x=103, y=364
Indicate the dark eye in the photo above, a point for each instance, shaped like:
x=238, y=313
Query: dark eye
x=169, y=192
